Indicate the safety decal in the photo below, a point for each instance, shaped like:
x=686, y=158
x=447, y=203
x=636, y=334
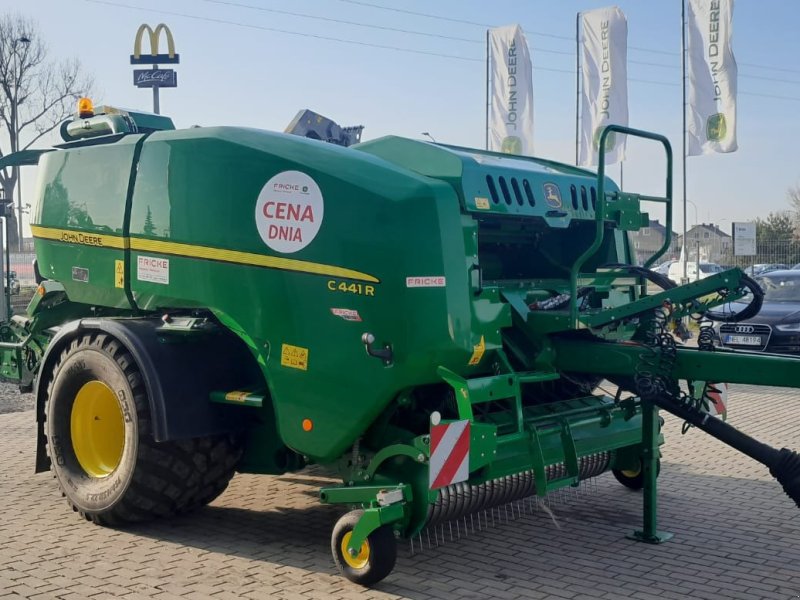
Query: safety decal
x=238, y=396
x=295, y=357
x=152, y=269
x=434, y=281
x=119, y=273
x=477, y=352
x=449, y=462
x=80, y=274
x=346, y=314
x=482, y=203
x=289, y=211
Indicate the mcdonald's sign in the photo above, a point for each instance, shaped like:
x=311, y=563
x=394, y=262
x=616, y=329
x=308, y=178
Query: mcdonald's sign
x=154, y=58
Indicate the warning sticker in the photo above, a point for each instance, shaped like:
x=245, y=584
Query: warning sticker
x=152, y=269
x=435, y=281
x=289, y=211
x=347, y=314
x=119, y=273
x=477, y=352
x=482, y=203
x=295, y=357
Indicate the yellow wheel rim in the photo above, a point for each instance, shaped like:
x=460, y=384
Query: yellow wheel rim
x=97, y=429
x=631, y=473
x=360, y=560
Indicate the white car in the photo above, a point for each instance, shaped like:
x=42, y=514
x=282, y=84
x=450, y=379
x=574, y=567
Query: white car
x=692, y=272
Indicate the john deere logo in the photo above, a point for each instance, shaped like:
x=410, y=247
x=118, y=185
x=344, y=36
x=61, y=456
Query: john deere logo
x=552, y=195
x=511, y=145
x=611, y=139
x=154, y=58
x=716, y=127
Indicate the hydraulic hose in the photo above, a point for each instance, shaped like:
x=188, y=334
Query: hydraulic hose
x=784, y=464
x=664, y=282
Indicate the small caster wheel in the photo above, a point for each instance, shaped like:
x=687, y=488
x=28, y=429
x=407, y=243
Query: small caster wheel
x=633, y=478
x=376, y=558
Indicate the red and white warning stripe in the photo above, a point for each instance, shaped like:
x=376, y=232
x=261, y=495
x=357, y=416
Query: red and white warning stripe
x=717, y=393
x=449, y=462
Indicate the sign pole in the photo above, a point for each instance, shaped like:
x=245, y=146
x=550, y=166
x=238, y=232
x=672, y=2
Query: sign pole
x=156, y=103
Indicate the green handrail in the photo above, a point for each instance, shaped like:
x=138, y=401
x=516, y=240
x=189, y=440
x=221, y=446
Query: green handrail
x=602, y=201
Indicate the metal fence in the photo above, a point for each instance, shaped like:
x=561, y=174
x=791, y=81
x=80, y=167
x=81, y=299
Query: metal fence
x=778, y=253
x=22, y=264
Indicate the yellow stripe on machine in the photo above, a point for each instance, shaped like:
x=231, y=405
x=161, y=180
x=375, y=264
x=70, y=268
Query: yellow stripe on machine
x=102, y=240
x=82, y=238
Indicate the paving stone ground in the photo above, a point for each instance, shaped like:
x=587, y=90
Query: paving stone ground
x=736, y=535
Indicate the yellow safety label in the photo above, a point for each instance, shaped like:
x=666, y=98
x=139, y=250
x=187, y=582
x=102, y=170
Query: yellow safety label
x=295, y=357
x=477, y=352
x=482, y=203
x=119, y=273
x=237, y=396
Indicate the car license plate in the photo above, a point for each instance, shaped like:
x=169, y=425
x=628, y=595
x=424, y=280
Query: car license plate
x=743, y=340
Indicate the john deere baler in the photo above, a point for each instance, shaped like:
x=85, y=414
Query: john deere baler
x=429, y=323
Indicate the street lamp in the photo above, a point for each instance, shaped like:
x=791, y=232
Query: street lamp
x=426, y=134
x=15, y=125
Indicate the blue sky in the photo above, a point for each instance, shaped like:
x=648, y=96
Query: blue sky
x=239, y=66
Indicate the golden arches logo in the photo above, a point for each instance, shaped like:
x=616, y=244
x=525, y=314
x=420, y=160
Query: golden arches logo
x=154, y=35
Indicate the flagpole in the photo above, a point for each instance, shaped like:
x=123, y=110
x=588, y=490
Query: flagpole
x=487, y=89
x=577, y=85
x=683, y=67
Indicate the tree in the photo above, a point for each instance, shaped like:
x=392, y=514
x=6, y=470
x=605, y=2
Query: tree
x=36, y=95
x=793, y=198
x=149, y=228
x=775, y=239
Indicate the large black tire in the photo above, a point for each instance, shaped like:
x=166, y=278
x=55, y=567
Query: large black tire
x=138, y=478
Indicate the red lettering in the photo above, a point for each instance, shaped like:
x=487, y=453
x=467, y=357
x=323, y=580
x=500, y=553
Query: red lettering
x=285, y=232
x=288, y=212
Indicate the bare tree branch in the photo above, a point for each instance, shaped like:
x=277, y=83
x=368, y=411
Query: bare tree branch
x=36, y=94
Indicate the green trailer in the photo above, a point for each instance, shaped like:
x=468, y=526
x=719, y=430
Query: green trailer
x=427, y=322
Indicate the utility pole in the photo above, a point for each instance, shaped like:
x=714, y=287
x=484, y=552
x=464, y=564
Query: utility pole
x=15, y=134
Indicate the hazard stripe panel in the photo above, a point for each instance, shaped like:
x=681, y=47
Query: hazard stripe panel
x=449, y=461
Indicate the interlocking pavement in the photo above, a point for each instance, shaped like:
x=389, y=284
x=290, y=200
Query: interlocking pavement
x=736, y=535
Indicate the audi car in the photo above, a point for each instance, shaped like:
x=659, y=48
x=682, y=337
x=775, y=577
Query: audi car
x=776, y=328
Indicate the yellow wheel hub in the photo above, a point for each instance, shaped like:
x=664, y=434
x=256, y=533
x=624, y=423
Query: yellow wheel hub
x=97, y=429
x=360, y=560
x=631, y=473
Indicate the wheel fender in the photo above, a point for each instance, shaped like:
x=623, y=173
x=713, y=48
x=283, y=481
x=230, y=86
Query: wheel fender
x=179, y=371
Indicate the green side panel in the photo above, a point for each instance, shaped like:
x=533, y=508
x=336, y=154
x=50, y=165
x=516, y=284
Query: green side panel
x=81, y=197
x=199, y=189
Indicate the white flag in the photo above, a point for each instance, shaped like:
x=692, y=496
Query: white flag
x=511, y=120
x=604, y=95
x=711, y=120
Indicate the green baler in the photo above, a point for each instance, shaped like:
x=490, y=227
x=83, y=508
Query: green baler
x=429, y=323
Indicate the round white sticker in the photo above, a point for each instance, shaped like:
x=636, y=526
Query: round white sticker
x=289, y=211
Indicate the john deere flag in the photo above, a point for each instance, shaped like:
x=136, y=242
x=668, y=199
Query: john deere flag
x=604, y=95
x=511, y=116
x=711, y=120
